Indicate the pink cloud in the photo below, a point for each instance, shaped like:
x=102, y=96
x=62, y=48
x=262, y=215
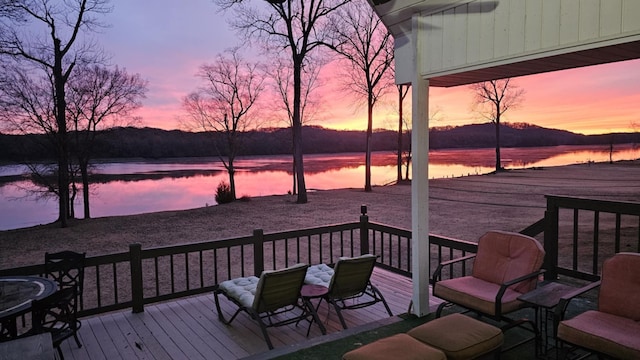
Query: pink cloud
x=166, y=42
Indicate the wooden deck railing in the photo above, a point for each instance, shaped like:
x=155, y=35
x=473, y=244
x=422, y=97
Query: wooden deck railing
x=579, y=228
x=141, y=276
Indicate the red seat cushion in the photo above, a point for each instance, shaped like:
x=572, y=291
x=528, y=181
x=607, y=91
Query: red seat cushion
x=609, y=334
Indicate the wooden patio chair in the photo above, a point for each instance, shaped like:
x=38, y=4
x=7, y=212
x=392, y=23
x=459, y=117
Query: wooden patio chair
x=67, y=269
x=349, y=284
x=613, y=329
x=506, y=266
x=274, y=293
x=56, y=314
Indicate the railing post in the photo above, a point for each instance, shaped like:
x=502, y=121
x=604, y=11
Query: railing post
x=551, y=241
x=135, y=263
x=364, y=230
x=258, y=252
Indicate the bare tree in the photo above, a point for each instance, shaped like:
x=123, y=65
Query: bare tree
x=223, y=105
x=99, y=98
x=282, y=75
x=367, y=45
x=492, y=99
x=26, y=107
x=296, y=25
x=45, y=35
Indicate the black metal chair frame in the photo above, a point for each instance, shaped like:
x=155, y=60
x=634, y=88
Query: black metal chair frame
x=67, y=269
x=57, y=315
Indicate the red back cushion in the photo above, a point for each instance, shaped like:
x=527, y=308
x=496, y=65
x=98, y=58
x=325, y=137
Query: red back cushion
x=504, y=256
x=620, y=288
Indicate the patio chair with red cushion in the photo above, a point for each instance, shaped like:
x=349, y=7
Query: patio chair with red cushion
x=613, y=329
x=506, y=266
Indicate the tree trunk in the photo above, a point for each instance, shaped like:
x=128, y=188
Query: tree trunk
x=367, y=176
x=297, y=132
x=232, y=178
x=61, y=122
x=295, y=186
x=85, y=189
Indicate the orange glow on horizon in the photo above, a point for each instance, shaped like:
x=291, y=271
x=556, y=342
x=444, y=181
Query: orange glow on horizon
x=591, y=100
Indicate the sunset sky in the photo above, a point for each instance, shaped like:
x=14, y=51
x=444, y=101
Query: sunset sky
x=166, y=41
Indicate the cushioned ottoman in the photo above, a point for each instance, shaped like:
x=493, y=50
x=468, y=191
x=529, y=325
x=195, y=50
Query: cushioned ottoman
x=459, y=336
x=400, y=347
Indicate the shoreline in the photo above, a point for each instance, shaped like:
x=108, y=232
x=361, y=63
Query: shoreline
x=462, y=208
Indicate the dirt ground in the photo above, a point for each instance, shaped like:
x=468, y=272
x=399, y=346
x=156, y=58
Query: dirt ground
x=462, y=208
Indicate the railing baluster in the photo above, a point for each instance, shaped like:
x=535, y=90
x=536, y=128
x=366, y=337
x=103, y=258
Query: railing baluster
x=201, y=269
x=115, y=283
x=352, y=247
x=242, y=272
x=399, y=241
x=98, y=287
x=186, y=269
x=215, y=267
x=617, y=235
x=330, y=247
x=229, y=275
x=320, y=250
x=596, y=236
x=157, y=275
x=172, y=273
x=575, y=239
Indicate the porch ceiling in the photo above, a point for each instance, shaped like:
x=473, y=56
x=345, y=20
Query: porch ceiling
x=603, y=55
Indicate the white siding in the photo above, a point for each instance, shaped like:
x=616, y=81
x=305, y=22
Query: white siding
x=461, y=38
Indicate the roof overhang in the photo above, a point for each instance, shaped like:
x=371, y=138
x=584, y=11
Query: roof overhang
x=602, y=55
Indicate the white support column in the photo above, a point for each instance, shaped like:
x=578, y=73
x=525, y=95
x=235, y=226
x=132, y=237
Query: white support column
x=420, y=181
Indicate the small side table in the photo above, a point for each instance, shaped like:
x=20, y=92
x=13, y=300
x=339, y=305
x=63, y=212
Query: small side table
x=309, y=292
x=546, y=297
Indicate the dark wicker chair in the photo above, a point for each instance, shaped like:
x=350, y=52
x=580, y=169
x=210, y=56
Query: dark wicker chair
x=57, y=315
x=67, y=269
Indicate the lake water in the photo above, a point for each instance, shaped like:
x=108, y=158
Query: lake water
x=134, y=187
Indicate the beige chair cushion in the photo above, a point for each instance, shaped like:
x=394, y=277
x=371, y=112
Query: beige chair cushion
x=504, y=256
x=609, y=334
x=241, y=289
x=400, y=347
x=459, y=336
x=477, y=294
x=620, y=287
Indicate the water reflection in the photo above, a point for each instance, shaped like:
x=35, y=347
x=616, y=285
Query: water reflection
x=146, y=186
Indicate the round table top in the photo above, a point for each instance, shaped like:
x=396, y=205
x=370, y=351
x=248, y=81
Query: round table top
x=17, y=292
x=313, y=291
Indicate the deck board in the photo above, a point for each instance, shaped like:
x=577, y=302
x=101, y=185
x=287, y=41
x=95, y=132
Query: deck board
x=189, y=328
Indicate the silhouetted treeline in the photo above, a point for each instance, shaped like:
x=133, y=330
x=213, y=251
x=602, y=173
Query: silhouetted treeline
x=155, y=143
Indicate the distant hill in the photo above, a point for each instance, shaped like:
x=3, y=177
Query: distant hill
x=132, y=142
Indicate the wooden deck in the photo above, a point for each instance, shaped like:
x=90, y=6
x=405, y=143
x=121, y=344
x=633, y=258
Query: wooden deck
x=189, y=328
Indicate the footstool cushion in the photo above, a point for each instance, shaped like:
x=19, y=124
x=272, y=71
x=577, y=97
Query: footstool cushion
x=459, y=336
x=400, y=346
